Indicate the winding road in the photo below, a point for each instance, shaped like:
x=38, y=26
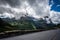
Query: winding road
x=45, y=35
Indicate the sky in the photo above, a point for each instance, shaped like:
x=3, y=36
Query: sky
x=34, y=8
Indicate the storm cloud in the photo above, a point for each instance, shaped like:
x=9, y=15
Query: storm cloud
x=34, y=8
x=13, y=3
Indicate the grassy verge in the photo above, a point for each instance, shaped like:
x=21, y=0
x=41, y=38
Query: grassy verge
x=16, y=32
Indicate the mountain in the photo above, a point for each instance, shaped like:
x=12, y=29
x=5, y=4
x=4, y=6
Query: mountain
x=9, y=20
x=4, y=25
x=30, y=23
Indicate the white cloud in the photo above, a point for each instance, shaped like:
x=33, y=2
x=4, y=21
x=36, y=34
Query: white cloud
x=36, y=11
x=35, y=8
x=6, y=15
x=55, y=17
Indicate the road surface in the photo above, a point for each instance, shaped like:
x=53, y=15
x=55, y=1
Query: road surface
x=45, y=35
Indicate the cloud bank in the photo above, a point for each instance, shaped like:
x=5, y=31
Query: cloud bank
x=34, y=8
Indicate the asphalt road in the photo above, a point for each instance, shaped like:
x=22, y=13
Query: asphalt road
x=45, y=35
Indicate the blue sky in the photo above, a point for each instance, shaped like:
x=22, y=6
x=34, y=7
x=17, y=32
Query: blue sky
x=55, y=6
